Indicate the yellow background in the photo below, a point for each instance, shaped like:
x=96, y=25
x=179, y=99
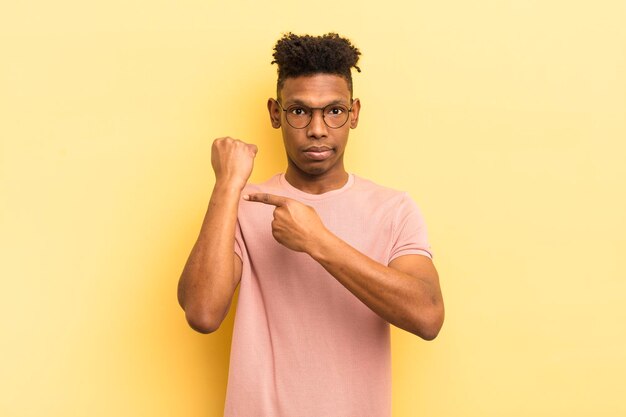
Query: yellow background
x=505, y=120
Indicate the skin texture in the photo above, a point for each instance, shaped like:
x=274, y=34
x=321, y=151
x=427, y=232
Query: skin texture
x=315, y=177
x=212, y=272
x=406, y=292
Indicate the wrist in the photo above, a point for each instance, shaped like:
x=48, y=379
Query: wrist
x=228, y=186
x=321, y=245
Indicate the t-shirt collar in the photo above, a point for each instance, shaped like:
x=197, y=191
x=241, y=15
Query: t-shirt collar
x=299, y=193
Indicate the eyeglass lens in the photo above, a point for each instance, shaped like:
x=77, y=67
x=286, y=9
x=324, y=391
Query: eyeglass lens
x=334, y=115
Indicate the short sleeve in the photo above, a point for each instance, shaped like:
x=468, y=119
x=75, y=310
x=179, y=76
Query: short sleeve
x=409, y=231
x=238, y=241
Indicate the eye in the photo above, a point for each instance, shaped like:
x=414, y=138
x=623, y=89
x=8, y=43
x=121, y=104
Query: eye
x=298, y=111
x=335, y=110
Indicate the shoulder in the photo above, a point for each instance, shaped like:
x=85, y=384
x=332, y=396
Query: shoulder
x=398, y=204
x=379, y=192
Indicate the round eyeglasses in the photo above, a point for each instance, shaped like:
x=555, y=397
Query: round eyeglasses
x=300, y=116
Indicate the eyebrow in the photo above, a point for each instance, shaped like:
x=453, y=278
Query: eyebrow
x=303, y=103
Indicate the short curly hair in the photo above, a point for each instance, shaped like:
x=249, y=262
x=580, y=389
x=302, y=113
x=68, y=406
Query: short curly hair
x=303, y=55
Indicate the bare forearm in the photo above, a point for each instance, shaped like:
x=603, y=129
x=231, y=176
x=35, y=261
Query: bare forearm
x=404, y=300
x=207, y=282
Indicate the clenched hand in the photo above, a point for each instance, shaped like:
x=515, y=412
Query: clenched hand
x=232, y=161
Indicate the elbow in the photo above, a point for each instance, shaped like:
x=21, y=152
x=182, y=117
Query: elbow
x=204, y=329
x=202, y=319
x=429, y=334
x=202, y=323
x=431, y=323
x=199, y=316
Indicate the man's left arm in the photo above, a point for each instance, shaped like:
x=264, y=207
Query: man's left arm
x=406, y=293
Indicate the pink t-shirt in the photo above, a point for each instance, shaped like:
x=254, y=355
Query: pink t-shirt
x=303, y=345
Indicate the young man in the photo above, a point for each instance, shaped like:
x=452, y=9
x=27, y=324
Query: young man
x=325, y=259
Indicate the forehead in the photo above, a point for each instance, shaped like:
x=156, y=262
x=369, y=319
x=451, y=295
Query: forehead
x=315, y=90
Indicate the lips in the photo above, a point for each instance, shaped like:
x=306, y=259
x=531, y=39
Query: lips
x=318, y=153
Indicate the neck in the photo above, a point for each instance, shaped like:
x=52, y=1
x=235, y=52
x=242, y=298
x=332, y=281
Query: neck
x=316, y=184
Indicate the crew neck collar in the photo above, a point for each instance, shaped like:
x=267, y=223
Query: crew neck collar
x=297, y=192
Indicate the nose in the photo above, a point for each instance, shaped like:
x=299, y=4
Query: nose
x=317, y=129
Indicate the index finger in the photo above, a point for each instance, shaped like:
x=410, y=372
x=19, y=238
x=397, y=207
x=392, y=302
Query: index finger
x=266, y=198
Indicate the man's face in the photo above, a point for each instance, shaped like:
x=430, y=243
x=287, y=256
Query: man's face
x=315, y=150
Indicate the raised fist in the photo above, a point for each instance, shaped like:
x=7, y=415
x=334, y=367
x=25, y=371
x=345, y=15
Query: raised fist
x=232, y=161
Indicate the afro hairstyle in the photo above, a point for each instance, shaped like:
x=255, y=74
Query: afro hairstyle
x=305, y=55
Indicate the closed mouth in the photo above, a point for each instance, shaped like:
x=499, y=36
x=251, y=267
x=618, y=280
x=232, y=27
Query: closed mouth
x=318, y=149
x=318, y=153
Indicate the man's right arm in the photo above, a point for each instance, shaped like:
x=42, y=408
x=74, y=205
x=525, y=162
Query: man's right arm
x=213, y=270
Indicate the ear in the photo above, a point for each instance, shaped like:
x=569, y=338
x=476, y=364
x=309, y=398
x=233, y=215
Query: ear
x=274, y=111
x=354, y=114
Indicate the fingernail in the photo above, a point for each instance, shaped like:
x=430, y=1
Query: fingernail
x=246, y=197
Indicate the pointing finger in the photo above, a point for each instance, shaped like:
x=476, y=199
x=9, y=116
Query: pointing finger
x=265, y=198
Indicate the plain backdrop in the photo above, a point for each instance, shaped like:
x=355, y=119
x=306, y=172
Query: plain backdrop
x=504, y=120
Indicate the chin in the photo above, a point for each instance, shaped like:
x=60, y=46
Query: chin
x=316, y=171
x=313, y=170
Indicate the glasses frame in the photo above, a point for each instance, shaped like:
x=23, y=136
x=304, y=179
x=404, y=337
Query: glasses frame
x=323, y=118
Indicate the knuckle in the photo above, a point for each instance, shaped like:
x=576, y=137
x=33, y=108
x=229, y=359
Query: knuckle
x=221, y=142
